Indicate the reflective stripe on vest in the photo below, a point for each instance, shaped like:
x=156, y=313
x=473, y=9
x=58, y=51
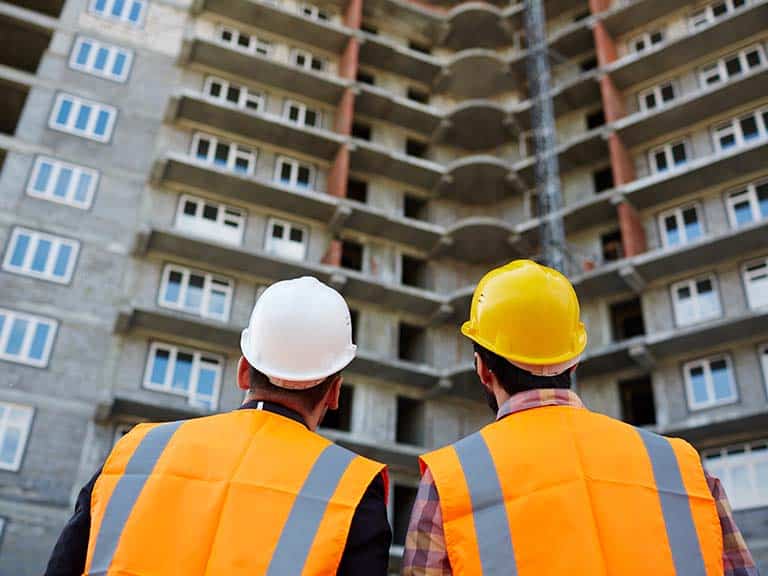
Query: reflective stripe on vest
x=126, y=493
x=675, y=506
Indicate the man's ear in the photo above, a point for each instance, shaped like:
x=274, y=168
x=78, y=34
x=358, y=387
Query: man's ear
x=483, y=372
x=332, y=398
x=243, y=374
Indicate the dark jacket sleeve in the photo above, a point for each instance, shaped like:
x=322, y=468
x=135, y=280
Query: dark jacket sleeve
x=68, y=556
x=367, y=549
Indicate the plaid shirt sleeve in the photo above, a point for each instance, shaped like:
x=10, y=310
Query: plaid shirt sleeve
x=425, y=552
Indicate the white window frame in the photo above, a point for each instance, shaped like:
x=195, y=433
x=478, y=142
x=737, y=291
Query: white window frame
x=89, y=67
x=55, y=170
x=35, y=237
x=302, y=114
x=221, y=283
x=295, y=165
x=720, y=463
x=167, y=386
x=313, y=12
x=33, y=321
x=26, y=415
x=698, y=313
x=125, y=14
x=308, y=59
x=763, y=352
x=704, y=16
x=282, y=247
x=748, y=277
x=656, y=91
x=677, y=213
x=739, y=195
x=667, y=149
x=706, y=363
x=256, y=45
x=733, y=128
x=235, y=152
x=205, y=228
x=77, y=103
x=722, y=71
x=646, y=39
x=245, y=95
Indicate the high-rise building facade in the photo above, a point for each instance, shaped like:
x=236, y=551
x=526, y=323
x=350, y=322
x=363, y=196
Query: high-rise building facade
x=161, y=161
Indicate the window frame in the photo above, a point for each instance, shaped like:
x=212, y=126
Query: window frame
x=645, y=37
x=245, y=95
x=692, y=285
x=709, y=15
x=224, y=211
x=295, y=164
x=721, y=65
x=271, y=244
x=124, y=17
x=235, y=151
x=56, y=167
x=667, y=149
x=677, y=213
x=197, y=358
x=656, y=91
x=25, y=433
x=256, y=46
x=721, y=461
x=113, y=51
x=315, y=12
x=76, y=103
x=226, y=285
x=734, y=126
x=35, y=236
x=302, y=116
x=750, y=191
x=706, y=363
x=33, y=321
x=746, y=279
x=309, y=57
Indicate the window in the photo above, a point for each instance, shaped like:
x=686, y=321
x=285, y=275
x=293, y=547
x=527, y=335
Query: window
x=352, y=255
x=305, y=59
x=638, y=406
x=595, y=119
x=680, y=225
x=26, y=339
x=748, y=204
x=39, y=255
x=101, y=59
x=413, y=271
x=357, y=190
x=232, y=157
x=232, y=94
x=301, y=114
x=709, y=382
x=210, y=220
x=714, y=11
x=416, y=148
x=588, y=64
x=756, y=282
x=15, y=422
x=62, y=182
x=612, y=246
x=415, y=207
x=741, y=131
x=732, y=66
x=417, y=95
x=411, y=343
x=696, y=300
x=362, y=130
x=645, y=41
x=314, y=12
x=294, y=173
x=286, y=239
x=196, y=292
x=83, y=118
x=743, y=470
x=602, y=179
x=245, y=42
x=627, y=319
x=410, y=421
x=340, y=419
x=669, y=157
x=657, y=96
x=190, y=373
x=129, y=11
x=366, y=78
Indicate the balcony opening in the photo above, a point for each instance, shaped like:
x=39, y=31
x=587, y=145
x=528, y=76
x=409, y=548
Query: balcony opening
x=602, y=179
x=12, y=99
x=588, y=64
x=48, y=7
x=415, y=207
x=413, y=272
x=627, y=319
x=357, y=190
x=416, y=148
x=417, y=95
x=361, y=130
x=402, y=503
x=412, y=343
x=410, y=421
x=340, y=419
x=352, y=255
x=612, y=247
x=595, y=119
x=354, y=317
x=637, y=403
x=369, y=28
x=23, y=44
x=365, y=78
x=417, y=46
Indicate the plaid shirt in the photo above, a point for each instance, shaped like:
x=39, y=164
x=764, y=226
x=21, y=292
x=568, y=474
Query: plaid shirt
x=425, y=552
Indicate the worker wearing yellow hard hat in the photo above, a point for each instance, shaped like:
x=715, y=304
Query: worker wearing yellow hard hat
x=551, y=488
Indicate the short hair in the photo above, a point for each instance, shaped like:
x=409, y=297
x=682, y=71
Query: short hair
x=308, y=399
x=514, y=379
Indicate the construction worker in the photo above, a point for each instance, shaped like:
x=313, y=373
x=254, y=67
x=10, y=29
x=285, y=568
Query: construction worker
x=253, y=491
x=551, y=488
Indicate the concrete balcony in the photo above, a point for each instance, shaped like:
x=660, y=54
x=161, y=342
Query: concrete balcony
x=464, y=20
x=572, y=40
x=578, y=151
x=211, y=57
x=478, y=73
x=477, y=125
x=614, y=357
x=382, y=54
x=707, y=430
x=479, y=180
x=480, y=240
x=198, y=112
x=369, y=220
x=627, y=16
x=577, y=92
x=138, y=406
x=372, y=158
x=325, y=35
x=383, y=105
x=637, y=68
x=693, y=108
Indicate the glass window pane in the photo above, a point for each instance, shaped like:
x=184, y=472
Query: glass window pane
x=233, y=94
x=40, y=259
x=16, y=337
x=762, y=199
x=194, y=296
x=721, y=380
x=661, y=161
x=719, y=9
x=297, y=235
x=215, y=89
x=43, y=176
x=727, y=141
x=222, y=154
x=101, y=123
x=64, y=110
x=2, y=324
x=83, y=189
x=117, y=8
x=749, y=127
x=698, y=385
x=743, y=212
x=709, y=304
x=310, y=118
x=203, y=147
x=667, y=92
x=733, y=66
x=82, y=54
x=135, y=14
x=672, y=232
x=62, y=183
x=100, y=5
x=173, y=287
x=11, y=445
x=242, y=165
x=293, y=113
x=753, y=58
x=182, y=374
x=285, y=172
x=20, y=250
x=39, y=340
x=81, y=123
x=206, y=382
x=303, y=177
x=101, y=59
x=692, y=226
x=741, y=486
x=190, y=208
x=118, y=66
x=656, y=37
x=210, y=212
x=217, y=303
x=678, y=153
x=159, y=367
x=650, y=100
x=62, y=260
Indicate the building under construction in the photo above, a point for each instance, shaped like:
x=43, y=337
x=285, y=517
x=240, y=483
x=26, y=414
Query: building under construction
x=161, y=161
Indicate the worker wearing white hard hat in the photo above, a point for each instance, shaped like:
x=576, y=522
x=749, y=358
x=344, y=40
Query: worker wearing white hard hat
x=253, y=491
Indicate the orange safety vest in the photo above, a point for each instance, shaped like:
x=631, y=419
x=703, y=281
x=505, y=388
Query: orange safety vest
x=561, y=490
x=243, y=493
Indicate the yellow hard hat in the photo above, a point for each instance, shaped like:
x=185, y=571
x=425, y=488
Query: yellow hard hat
x=528, y=314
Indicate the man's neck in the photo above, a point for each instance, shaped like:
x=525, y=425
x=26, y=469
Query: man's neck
x=308, y=420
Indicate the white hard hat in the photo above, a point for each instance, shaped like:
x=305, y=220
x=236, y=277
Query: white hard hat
x=300, y=333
